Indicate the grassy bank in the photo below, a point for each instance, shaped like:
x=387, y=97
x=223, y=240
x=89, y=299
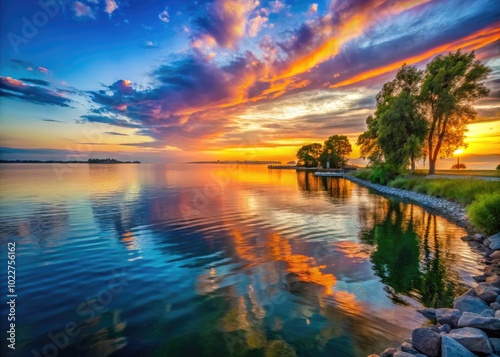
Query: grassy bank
x=482, y=198
x=487, y=173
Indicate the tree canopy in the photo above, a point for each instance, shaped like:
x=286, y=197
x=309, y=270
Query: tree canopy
x=336, y=151
x=309, y=155
x=424, y=113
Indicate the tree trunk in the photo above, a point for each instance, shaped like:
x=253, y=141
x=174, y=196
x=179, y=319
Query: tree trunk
x=432, y=166
x=412, y=169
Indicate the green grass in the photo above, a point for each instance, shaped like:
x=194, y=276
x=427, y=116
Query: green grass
x=464, y=191
x=485, y=212
x=491, y=173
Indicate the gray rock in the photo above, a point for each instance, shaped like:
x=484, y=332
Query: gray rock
x=469, y=319
x=389, y=352
x=494, y=241
x=495, y=254
x=478, y=237
x=445, y=328
x=403, y=354
x=429, y=313
x=451, y=348
x=426, y=341
x=479, y=278
x=472, y=338
x=448, y=316
x=486, y=292
x=488, y=313
x=407, y=347
x=497, y=314
x=495, y=344
x=495, y=306
x=469, y=304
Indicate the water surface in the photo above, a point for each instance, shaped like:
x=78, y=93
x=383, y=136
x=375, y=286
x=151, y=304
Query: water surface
x=218, y=260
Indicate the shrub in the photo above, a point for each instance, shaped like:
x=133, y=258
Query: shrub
x=485, y=212
x=363, y=174
x=384, y=173
x=498, y=167
x=458, y=167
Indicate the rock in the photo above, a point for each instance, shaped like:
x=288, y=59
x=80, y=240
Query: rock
x=479, y=278
x=478, y=237
x=389, y=352
x=495, y=344
x=451, y=348
x=469, y=319
x=495, y=254
x=373, y=355
x=494, y=241
x=497, y=314
x=494, y=280
x=426, y=341
x=466, y=238
x=407, y=347
x=445, y=328
x=472, y=338
x=403, y=354
x=448, y=316
x=470, y=304
x=486, y=292
x=488, y=313
x=428, y=313
x=495, y=305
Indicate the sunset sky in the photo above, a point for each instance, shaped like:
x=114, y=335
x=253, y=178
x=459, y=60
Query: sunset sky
x=174, y=81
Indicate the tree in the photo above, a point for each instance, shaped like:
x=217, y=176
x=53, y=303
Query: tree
x=458, y=167
x=368, y=142
x=450, y=86
x=336, y=151
x=402, y=127
x=498, y=167
x=309, y=155
x=396, y=133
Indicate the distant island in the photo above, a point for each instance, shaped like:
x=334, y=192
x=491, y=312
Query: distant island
x=246, y=162
x=89, y=161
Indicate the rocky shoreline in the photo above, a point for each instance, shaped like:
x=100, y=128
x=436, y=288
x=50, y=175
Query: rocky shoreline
x=451, y=210
x=472, y=327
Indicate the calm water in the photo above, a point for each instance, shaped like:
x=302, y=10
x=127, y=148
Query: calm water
x=217, y=260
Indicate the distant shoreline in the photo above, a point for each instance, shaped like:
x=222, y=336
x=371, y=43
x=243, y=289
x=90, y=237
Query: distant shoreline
x=250, y=162
x=99, y=162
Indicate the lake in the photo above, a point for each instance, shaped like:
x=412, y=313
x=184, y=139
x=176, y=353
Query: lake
x=218, y=260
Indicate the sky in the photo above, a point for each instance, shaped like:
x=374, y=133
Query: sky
x=175, y=81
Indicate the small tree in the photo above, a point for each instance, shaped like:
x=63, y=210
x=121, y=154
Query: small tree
x=309, y=155
x=458, y=167
x=336, y=151
x=498, y=167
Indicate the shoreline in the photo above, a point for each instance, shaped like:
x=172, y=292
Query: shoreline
x=472, y=326
x=452, y=211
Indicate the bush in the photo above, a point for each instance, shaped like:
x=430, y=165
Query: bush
x=384, y=173
x=363, y=174
x=498, y=167
x=485, y=212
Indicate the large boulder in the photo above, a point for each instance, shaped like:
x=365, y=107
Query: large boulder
x=426, y=341
x=451, y=348
x=467, y=303
x=494, y=241
x=469, y=319
x=486, y=292
x=473, y=339
x=403, y=354
x=448, y=316
x=495, y=344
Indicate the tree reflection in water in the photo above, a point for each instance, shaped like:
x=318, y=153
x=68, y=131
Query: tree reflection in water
x=407, y=255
